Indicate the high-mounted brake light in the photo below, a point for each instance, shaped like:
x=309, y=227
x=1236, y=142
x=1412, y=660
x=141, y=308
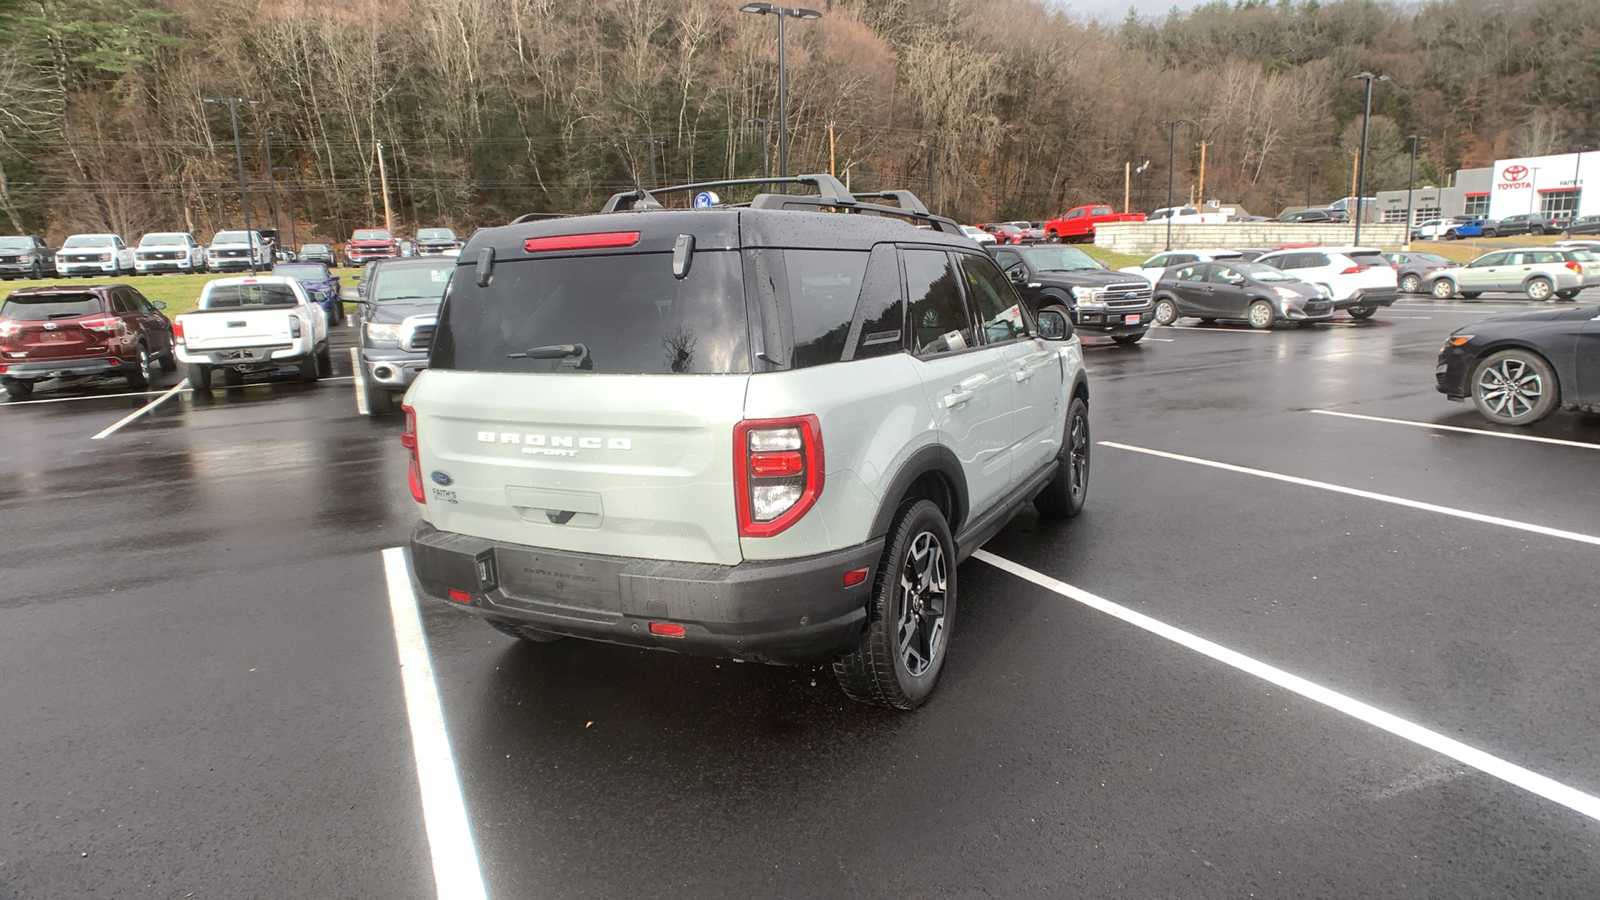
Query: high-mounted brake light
x=408, y=440
x=777, y=472
x=604, y=240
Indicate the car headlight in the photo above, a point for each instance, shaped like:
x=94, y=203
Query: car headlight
x=1286, y=294
x=383, y=331
x=1086, y=297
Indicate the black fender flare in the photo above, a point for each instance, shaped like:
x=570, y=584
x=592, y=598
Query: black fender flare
x=934, y=458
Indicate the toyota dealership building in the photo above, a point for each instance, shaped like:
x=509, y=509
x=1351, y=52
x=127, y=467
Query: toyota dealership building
x=1550, y=185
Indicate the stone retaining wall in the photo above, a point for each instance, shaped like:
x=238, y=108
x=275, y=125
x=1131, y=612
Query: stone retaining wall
x=1145, y=238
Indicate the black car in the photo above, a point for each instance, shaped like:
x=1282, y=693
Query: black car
x=436, y=241
x=317, y=253
x=1579, y=225
x=26, y=256
x=1315, y=215
x=1098, y=301
x=1257, y=293
x=1414, y=269
x=1522, y=223
x=1519, y=368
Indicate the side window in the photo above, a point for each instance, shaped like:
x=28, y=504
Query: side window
x=1315, y=260
x=122, y=303
x=1190, y=273
x=1178, y=259
x=1547, y=256
x=1225, y=275
x=1493, y=259
x=937, y=317
x=994, y=303
x=1159, y=261
x=878, y=327
x=1075, y=214
x=144, y=303
x=823, y=287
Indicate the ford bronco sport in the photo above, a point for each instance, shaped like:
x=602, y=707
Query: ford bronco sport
x=767, y=431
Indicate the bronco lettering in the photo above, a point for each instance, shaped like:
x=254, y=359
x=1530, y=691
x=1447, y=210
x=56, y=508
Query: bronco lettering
x=554, y=440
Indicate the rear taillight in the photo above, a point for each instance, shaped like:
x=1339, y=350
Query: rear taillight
x=1355, y=270
x=777, y=472
x=106, y=324
x=408, y=440
x=1576, y=267
x=177, y=330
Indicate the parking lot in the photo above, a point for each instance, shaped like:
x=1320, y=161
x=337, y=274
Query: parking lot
x=1319, y=633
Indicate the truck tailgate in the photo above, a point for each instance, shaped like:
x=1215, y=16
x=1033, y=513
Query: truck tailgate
x=223, y=329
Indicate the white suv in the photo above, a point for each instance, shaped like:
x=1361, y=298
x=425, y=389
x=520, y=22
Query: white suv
x=1359, y=278
x=169, y=251
x=761, y=432
x=94, y=254
x=1153, y=267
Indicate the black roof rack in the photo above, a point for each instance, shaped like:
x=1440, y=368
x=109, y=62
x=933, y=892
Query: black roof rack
x=831, y=194
x=536, y=217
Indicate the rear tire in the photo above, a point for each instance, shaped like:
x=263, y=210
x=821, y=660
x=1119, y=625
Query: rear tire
x=168, y=360
x=308, y=369
x=325, y=363
x=1539, y=289
x=1411, y=284
x=18, y=390
x=1566, y=295
x=199, y=376
x=139, y=377
x=1064, y=496
x=1362, y=312
x=523, y=632
x=898, y=659
x=1471, y=295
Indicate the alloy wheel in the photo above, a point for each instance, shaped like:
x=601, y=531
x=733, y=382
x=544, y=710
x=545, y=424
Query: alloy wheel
x=1510, y=387
x=1079, y=459
x=924, y=582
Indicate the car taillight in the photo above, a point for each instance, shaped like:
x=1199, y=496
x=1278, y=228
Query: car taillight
x=777, y=472
x=106, y=324
x=408, y=440
x=1576, y=267
x=1355, y=270
x=177, y=330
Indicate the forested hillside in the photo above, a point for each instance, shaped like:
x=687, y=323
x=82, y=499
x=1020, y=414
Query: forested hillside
x=994, y=109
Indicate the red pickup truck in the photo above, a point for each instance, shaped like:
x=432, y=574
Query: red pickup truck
x=1078, y=224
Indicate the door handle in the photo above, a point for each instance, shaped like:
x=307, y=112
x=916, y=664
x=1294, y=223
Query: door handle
x=956, y=398
x=1021, y=375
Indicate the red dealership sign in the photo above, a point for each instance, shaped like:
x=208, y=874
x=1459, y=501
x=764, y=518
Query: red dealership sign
x=1515, y=173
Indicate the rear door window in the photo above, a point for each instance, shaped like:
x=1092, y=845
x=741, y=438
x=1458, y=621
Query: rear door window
x=939, y=322
x=616, y=314
x=994, y=303
x=43, y=307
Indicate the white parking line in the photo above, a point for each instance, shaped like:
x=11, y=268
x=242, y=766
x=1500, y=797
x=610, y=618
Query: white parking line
x=1479, y=431
x=1207, y=328
x=1367, y=495
x=27, y=403
x=141, y=410
x=361, y=385
x=1554, y=791
x=456, y=872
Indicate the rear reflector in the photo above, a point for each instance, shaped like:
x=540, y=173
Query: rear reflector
x=666, y=629
x=855, y=577
x=603, y=241
x=777, y=465
x=460, y=596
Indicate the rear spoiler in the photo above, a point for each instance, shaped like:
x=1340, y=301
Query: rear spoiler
x=831, y=194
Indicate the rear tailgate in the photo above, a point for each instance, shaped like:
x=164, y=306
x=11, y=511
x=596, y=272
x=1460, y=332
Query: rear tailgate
x=225, y=329
x=618, y=465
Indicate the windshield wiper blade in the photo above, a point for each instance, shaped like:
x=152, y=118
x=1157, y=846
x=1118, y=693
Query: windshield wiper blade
x=551, y=351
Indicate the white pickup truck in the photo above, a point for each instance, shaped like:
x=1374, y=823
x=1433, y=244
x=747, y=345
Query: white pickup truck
x=252, y=325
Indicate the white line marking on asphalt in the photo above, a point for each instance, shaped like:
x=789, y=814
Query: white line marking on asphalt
x=1555, y=791
x=361, y=385
x=142, y=410
x=1205, y=328
x=456, y=873
x=24, y=403
x=1163, y=340
x=1368, y=495
x=1514, y=437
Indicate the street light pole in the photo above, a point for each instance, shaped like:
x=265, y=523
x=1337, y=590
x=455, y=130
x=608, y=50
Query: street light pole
x=1577, y=191
x=272, y=183
x=1311, y=176
x=1361, y=162
x=1172, y=158
x=238, y=155
x=1411, y=181
x=782, y=12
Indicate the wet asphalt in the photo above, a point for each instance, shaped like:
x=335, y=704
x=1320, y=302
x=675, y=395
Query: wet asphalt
x=202, y=698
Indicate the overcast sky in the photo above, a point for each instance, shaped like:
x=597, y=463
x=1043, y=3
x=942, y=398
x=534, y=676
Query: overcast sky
x=1113, y=11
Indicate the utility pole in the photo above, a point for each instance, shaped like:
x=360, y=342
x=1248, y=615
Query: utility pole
x=766, y=146
x=1411, y=184
x=238, y=154
x=831, y=159
x=288, y=174
x=1172, y=161
x=1203, y=146
x=272, y=183
x=1311, y=176
x=1127, y=185
x=383, y=180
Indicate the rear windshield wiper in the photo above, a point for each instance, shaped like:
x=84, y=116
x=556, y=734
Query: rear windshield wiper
x=552, y=351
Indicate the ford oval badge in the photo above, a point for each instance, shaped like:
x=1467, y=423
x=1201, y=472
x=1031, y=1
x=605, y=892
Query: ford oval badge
x=441, y=478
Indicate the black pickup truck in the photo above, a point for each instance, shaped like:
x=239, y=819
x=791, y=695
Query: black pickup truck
x=1118, y=305
x=26, y=256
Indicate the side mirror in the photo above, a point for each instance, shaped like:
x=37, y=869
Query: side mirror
x=1017, y=274
x=348, y=294
x=1054, y=325
x=158, y=304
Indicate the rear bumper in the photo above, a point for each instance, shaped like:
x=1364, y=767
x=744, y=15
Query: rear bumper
x=1369, y=297
x=39, y=370
x=260, y=355
x=784, y=612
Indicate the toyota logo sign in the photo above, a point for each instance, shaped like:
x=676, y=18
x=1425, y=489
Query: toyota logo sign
x=1515, y=173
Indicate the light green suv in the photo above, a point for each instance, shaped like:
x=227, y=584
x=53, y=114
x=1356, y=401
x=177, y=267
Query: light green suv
x=1539, y=272
x=768, y=432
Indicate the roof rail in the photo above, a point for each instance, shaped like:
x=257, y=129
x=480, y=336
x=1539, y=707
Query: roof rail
x=827, y=187
x=831, y=194
x=536, y=217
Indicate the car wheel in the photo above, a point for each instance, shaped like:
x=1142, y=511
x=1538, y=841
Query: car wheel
x=1539, y=289
x=1262, y=314
x=1536, y=230
x=1166, y=311
x=898, y=659
x=18, y=390
x=1411, y=284
x=1361, y=312
x=379, y=401
x=522, y=632
x=1208, y=320
x=1451, y=236
x=232, y=378
x=308, y=369
x=38, y=271
x=1443, y=288
x=1471, y=295
x=1064, y=496
x=1515, y=387
x=1490, y=232
x=168, y=360
x=1566, y=295
x=139, y=378
x=1128, y=340
x=1052, y=238
x=199, y=376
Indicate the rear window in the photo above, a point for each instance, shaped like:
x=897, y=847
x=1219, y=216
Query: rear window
x=1369, y=259
x=262, y=296
x=411, y=282
x=617, y=315
x=39, y=307
x=375, y=234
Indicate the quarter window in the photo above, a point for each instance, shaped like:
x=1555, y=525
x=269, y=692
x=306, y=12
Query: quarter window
x=939, y=322
x=823, y=287
x=879, y=323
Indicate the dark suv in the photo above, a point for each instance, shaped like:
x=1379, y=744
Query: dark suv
x=1522, y=223
x=1099, y=301
x=104, y=329
x=399, y=306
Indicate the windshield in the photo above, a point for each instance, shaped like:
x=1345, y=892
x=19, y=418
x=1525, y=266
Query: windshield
x=16, y=243
x=301, y=271
x=229, y=237
x=436, y=234
x=621, y=315
x=1260, y=272
x=1433, y=258
x=371, y=234
x=87, y=240
x=314, y=248
x=39, y=307
x=261, y=296
x=1059, y=259
x=162, y=240
x=411, y=282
